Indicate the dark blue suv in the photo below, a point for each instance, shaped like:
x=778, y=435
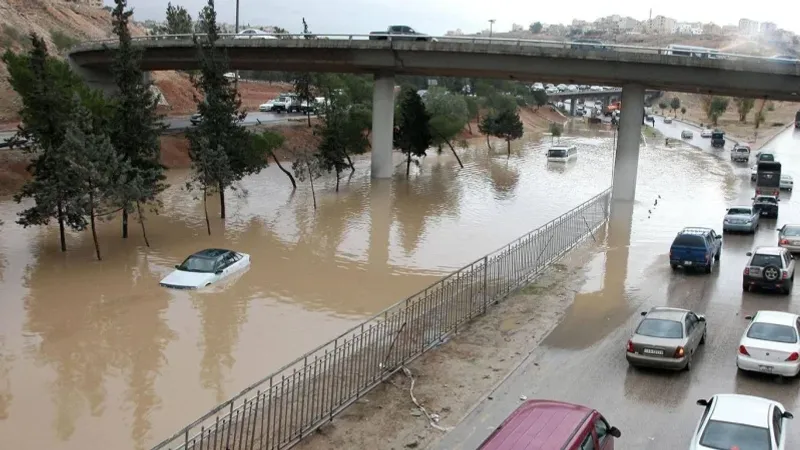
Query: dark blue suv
x=695, y=248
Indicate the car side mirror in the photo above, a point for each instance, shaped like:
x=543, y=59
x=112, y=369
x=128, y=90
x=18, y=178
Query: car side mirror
x=748, y=317
x=701, y=318
x=219, y=272
x=702, y=402
x=643, y=313
x=749, y=253
x=719, y=237
x=787, y=415
x=614, y=431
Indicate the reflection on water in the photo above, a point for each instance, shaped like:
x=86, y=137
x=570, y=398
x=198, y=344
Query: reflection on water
x=96, y=352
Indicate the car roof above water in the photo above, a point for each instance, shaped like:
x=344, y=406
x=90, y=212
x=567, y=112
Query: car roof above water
x=211, y=253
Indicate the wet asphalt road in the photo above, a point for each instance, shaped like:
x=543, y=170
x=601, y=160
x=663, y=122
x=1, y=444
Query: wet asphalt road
x=583, y=360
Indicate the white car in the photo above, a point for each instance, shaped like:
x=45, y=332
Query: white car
x=667, y=119
x=787, y=182
x=771, y=344
x=595, y=88
x=754, y=172
x=733, y=421
x=206, y=267
x=538, y=87
x=253, y=33
x=706, y=133
x=266, y=107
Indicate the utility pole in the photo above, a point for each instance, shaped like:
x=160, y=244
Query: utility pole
x=236, y=80
x=491, y=25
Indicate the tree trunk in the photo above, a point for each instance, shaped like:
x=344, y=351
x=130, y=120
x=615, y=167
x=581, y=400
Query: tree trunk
x=469, y=127
x=337, y=181
x=408, y=164
x=91, y=220
x=205, y=208
x=488, y=144
x=221, y=201
x=308, y=116
x=125, y=223
x=61, y=231
x=311, y=180
x=288, y=174
x=141, y=222
x=350, y=162
x=508, y=147
x=451, y=148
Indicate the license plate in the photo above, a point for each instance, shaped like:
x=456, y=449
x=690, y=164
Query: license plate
x=687, y=263
x=767, y=369
x=652, y=351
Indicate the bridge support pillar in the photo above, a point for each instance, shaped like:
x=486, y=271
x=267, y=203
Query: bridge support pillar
x=573, y=101
x=382, y=126
x=626, y=158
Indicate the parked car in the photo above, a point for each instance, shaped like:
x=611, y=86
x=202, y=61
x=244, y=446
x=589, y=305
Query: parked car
x=754, y=172
x=667, y=119
x=787, y=182
x=666, y=338
x=789, y=237
x=538, y=87
x=206, y=267
x=695, y=247
x=706, y=133
x=735, y=421
x=530, y=426
x=561, y=87
x=196, y=118
x=740, y=153
x=595, y=88
x=770, y=344
x=767, y=205
x=687, y=134
x=266, y=107
x=769, y=268
x=741, y=218
x=252, y=33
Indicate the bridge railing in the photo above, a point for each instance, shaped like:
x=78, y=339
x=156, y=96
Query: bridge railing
x=278, y=411
x=518, y=42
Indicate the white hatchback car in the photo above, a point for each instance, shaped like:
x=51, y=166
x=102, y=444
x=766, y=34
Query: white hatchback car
x=206, y=267
x=733, y=421
x=706, y=133
x=771, y=344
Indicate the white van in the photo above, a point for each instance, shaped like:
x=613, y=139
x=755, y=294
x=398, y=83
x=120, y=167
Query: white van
x=562, y=153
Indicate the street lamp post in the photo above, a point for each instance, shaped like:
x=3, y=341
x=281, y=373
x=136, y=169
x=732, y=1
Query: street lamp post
x=491, y=25
x=236, y=80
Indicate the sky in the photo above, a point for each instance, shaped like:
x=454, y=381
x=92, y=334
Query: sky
x=436, y=17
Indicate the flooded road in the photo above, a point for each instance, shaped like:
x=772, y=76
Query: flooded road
x=583, y=360
x=97, y=354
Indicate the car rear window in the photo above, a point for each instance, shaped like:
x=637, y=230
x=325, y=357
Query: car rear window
x=689, y=240
x=760, y=260
x=791, y=231
x=660, y=328
x=765, y=199
x=739, y=211
x=726, y=436
x=772, y=332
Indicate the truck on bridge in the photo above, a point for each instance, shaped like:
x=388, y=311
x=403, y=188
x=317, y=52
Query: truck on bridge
x=768, y=178
x=399, y=33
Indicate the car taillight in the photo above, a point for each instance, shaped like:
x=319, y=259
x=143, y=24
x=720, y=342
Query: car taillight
x=785, y=274
x=630, y=347
x=679, y=353
x=793, y=357
x=747, y=271
x=743, y=351
x=783, y=242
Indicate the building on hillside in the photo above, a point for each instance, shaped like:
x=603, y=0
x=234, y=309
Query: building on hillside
x=689, y=28
x=748, y=27
x=516, y=28
x=615, y=24
x=712, y=29
x=555, y=29
x=456, y=32
x=768, y=28
x=662, y=25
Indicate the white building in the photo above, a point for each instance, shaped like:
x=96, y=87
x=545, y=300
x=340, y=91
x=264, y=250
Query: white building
x=691, y=28
x=768, y=28
x=662, y=25
x=748, y=27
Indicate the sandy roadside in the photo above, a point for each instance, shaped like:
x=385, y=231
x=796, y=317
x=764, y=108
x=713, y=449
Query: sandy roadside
x=451, y=379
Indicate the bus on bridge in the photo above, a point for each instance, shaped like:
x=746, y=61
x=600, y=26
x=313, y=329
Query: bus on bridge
x=692, y=51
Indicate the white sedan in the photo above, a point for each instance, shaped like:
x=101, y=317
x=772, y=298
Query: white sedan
x=253, y=33
x=266, y=107
x=770, y=344
x=787, y=182
x=706, y=133
x=206, y=267
x=754, y=172
x=733, y=421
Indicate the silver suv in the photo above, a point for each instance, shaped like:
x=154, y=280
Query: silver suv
x=769, y=268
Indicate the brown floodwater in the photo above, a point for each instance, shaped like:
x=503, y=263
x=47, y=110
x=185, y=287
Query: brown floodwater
x=96, y=354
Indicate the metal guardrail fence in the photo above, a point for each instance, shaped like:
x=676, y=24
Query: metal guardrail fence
x=453, y=39
x=278, y=411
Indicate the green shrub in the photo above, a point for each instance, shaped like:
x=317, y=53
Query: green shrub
x=62, y=40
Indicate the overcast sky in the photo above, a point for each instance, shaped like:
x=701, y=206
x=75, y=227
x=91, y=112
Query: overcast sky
x=438, y=16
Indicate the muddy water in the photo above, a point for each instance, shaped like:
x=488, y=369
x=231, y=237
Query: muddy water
x=95, y=353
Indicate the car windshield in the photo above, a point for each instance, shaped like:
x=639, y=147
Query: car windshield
x=791, y=231
x=760, y=260
x=772, y=332
x=766, y=200
x=726, y=435
x=197, y=264
x=660, y=328
x=557, y=152
x=738, y=211
x=689, y=240
x=766, y=157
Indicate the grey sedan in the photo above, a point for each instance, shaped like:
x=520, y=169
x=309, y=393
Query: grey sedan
x=742, y=219
x=789, y=237
x=666, y=338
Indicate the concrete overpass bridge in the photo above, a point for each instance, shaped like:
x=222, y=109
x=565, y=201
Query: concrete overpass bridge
x=634, y=69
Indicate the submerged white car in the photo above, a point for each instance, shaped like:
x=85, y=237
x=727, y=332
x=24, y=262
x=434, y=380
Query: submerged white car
x=206, y=267
x=770, y=344
x=733, y=421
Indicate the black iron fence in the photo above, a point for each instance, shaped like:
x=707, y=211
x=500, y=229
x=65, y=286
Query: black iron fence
x=278, y=411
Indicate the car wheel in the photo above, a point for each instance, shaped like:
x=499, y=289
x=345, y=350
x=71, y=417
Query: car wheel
x=688, y=366
x=771, y=273
x=674, y=266
x=708, y=267
x=717, y=256
x=705, y=335
x=745, y=287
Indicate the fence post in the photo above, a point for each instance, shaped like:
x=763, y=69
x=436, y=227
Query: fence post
x=485, y=283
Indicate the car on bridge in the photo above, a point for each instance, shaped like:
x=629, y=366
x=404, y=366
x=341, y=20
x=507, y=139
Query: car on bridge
x=252, y=33
x=769, y=268
x=770, y=344
x=399, y=33
x=743, y=219
x=666, y=338
x=736, y=421
x=695, y=247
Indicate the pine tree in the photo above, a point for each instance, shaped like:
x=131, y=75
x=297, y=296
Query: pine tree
x=47, y=88
x=412, y=134
x=136, y=126
x=508, y=126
